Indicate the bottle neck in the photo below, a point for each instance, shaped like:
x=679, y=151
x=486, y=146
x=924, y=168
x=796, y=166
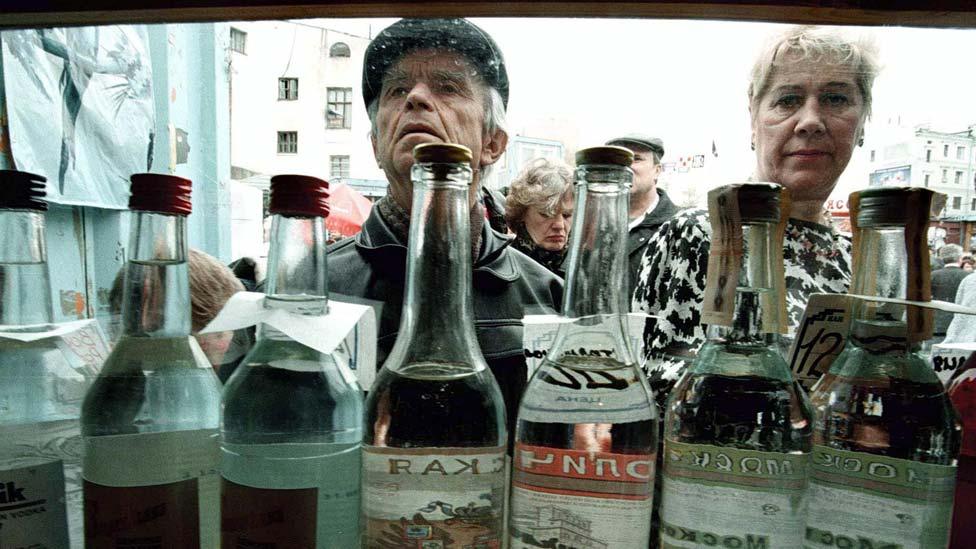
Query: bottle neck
x=756, y=294
x=596, y=282
x=437, y=320
x=156, y=292
x=25, y=286
x=597, y=262
x=880, y=269
x=297, y=270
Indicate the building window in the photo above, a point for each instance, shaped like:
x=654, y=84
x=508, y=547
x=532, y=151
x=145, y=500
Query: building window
x=238, y=40
x=872, y=156
x=958, y=178
x=945, y=176
x=956, y=202
x=339, y=49
x=287, y=89
x=287, y=142
x=339, y=166
x=945, y=151
x=972, y=207
x=960, y=153
x=927, y=180
x=928, y=155
x=338, y=111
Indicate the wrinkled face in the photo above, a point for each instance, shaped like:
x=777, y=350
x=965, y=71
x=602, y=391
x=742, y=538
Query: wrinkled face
x=646, y=172
x=550, y=232
x=806, y=125
x=431, y=96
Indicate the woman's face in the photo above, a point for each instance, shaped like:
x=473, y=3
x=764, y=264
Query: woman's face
x=806, y=125
x=550, y=232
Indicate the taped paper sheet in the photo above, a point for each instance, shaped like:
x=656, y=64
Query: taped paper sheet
x=350, y=322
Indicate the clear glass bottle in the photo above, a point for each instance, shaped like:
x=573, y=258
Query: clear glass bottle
x=586, y=436
x=150, y=419
x=886, y=436
x=435, y=438
x=291, y=427
x=738, y=427
x=40, y=391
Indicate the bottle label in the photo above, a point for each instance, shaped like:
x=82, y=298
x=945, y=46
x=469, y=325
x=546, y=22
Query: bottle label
x=290, y=495
x=729, y=497
x=152, y=490
x=598, y=396
x=572, y=498
x=433, y=497
x=866, y=500
x=40, y=484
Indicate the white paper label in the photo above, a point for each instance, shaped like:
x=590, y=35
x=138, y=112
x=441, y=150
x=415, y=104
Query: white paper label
x=539, y=334
x=948, y=357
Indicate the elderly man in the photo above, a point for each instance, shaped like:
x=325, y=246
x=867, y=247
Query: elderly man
x=945, y=283
x=428, y=81
x=649, y=206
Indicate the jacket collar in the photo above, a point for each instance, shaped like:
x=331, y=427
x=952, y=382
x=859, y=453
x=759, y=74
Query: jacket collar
x=378, y=243
x=663, y=211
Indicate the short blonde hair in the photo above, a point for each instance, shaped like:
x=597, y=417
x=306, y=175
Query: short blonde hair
x=815, y=45
x=543, y=184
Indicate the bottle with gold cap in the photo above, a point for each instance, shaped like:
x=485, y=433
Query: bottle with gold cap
x=435, y=435
x=737, y=426
x=886, y=438
x=586, y=435
x=40, y=390
x=149, y=422
x=291, y=426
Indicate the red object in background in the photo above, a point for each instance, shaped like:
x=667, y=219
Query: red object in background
x=962, y=392
x=347, y=210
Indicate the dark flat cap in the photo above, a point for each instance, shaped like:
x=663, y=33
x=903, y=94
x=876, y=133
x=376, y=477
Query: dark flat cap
x=643, y=142
x=457, y=35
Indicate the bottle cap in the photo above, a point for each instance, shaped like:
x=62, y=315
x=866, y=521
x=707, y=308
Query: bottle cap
x=22, y=191
x=160, y=193
x=885, y=206
x=442, y=153
x=759, y=202
x=607, y=154
x=299, y=195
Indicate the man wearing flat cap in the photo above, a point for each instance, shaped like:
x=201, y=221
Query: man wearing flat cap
x=431, y=81
x=649, y=206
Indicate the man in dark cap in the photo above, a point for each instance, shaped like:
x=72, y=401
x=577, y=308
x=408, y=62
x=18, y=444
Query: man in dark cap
x=429, y=81
x=649, y=206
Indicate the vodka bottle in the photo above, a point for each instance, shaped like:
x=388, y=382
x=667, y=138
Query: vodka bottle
x=40, y=392
x=886, y=436
x=586, y=436
x=435, y=437
x=150, y=419
x=737, y=427
x=291, y=427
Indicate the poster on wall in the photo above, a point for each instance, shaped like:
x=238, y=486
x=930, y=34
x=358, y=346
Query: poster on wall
x=80, y=109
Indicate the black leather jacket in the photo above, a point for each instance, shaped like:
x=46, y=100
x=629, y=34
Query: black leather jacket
x=506, y=286
x=640, y=235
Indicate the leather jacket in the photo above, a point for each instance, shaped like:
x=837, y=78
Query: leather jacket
x=506, y=285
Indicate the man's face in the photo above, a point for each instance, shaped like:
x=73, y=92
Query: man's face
x=431, y=96
x=646, y=171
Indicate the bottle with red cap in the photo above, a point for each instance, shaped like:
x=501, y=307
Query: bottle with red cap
x=150, y=420
x=291, y=428
x=40, y=391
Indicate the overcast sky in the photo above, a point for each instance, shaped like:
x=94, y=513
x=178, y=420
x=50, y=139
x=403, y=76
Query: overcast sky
x=685, y=81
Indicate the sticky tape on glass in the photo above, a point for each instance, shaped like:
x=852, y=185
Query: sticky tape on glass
x=724, y=255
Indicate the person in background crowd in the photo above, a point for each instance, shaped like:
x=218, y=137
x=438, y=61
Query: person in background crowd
x=945, y=282
x=649, y=206
x=431, y=81
x=211, y=285
x=539, y=208
x=809, y=97
x=962, y=329
x=968, y=262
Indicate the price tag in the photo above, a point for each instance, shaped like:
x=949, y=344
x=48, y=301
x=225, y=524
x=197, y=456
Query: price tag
x=820, y=337
x=948, y=357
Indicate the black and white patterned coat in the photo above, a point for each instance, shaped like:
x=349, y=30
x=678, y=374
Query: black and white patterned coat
x=671, y=285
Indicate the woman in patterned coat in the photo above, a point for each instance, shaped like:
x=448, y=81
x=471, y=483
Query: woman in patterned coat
x=809, y=97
